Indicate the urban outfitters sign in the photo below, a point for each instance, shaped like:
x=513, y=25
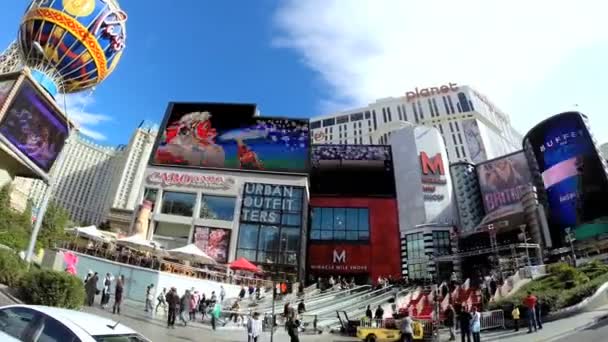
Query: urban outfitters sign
x=264, y=202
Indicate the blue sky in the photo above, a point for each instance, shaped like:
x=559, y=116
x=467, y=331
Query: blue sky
x=304, y=58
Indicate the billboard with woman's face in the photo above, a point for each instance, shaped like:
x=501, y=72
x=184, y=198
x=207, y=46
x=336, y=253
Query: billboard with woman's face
x=34, y=126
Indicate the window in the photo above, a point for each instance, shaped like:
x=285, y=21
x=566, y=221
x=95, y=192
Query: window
x=431, y=108
x=451, y=105
x=329, y=122
x=417, y=271
x=388, y=112
x=217, y=207
x=441, y=243
x=356, y=117
x=435, y=106
x=271, y=223
x=367, y=115
x=415, y=246
x=342, y=119
x=384, y=114
x=420, y=111
x=375, y=122
x=399, y=113
x=464, y=102
x=340, y=224
x=178, y=203
x=315, y=124
x=24, y=323
x=457, y=152
x=460, y=138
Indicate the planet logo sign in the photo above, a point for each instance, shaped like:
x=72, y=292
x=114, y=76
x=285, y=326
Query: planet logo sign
x=436, y=184
x=503, y=181
x=34, y=126
x=230, y=136
x=572, y=171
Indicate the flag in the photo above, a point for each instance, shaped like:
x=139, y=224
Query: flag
x=445, y=302
x=466, y=284
x=420, y=305
x=456, y=293
x=470, y=301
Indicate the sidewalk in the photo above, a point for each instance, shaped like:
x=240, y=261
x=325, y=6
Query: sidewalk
x=551, y=330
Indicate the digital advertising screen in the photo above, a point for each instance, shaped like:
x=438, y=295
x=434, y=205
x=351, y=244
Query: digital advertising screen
x=571, y=169
x=503, y=181
x=34, y=126
x=230, y=136
x=214, y=242
x=352, y=170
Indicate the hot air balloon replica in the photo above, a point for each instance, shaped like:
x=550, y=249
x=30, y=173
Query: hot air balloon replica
x=63, y=47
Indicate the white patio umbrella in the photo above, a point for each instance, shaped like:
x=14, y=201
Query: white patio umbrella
x=192, y=253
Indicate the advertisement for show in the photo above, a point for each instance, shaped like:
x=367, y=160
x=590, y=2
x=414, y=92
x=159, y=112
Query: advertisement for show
x=436, y=183
x=352, y=170
x=503, y=181
x=229, y=136
x=572, y=172
x=34, y=126
x=214, y=242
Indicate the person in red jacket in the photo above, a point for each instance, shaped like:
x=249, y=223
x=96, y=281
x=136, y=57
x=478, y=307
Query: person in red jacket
x=530, y=303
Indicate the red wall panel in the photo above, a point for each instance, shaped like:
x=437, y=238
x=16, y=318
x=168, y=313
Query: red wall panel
x=384, y=244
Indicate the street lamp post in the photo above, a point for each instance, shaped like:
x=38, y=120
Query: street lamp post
x=571, y=239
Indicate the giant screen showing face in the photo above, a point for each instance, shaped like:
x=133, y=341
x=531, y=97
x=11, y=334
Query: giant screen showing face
x=34, y=126
x=215, y=135
x=572, y=172
x=352, y=170
x=503, y=181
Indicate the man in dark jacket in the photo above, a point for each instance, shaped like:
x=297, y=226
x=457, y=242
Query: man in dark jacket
x=173, y=302
x=450, y=320
x=464, y=318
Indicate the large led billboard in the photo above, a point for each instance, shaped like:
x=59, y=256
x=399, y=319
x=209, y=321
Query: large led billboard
x=503, y=181
x=352, y=170
x=230, y=136
x=572, y=171
x=213, y=241
x=34, y=126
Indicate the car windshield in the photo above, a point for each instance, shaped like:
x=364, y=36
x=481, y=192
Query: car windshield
x=120, y=338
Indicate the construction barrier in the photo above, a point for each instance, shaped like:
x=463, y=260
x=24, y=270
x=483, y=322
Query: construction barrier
x=492, y=319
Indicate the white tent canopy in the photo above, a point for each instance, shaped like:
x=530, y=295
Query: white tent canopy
x=137, y=242
x=90, y=232
x=193, y=253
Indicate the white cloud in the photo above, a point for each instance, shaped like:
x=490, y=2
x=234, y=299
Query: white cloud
x=75, y=106
x=366, y=50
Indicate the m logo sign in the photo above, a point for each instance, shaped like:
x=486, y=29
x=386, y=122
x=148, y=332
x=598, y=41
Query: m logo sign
x=433, y=165
x=339, y=258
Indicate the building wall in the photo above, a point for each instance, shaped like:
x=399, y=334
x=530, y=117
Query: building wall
x=232, y=184
x=468, y=197
x=383, y=244
x=423, y=265
x=130, y=167
x=452, y=113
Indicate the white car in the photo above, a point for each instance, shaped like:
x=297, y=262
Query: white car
x=32, y=323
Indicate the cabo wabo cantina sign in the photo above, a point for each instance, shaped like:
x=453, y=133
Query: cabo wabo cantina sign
x=433, y=175
x=264, y=202
x=191, y=180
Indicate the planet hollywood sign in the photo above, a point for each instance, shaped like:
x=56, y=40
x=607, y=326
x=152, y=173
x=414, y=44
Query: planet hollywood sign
x=190, y=180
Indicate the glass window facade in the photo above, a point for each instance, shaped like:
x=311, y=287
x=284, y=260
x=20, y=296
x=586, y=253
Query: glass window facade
x=178, y=203
x=271, y=223
x=217, y=207
x=441, y=243
x=351, y=224
x=417, y=261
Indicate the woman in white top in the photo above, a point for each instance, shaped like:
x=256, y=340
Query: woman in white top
x=254, y=327
x=475, y=324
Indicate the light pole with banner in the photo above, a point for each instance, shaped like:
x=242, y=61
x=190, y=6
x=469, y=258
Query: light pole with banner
x=570, y=239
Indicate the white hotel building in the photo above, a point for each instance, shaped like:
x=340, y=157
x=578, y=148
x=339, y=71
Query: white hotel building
x=473, y=129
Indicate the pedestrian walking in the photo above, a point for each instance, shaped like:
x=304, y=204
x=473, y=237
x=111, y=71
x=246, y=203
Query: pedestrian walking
x=450, y=321
x=464, y=319
x=475, y=324
x=202, y=307
x=242, y=293
x=530, y=303
x=538, y=312
x=149, y=297
x=515, y=315
x=379, y=315
x=118, y=291
x=105, y=293
x=184, y=304
x=292, y=326
x=368, y=313
x=301, y=307
x=222, y=294
x=91, y=289
x=173, y=302
x=407, y=329
x=215, y=314
x=194, y=298
x=254, y=327
x=161, y=301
